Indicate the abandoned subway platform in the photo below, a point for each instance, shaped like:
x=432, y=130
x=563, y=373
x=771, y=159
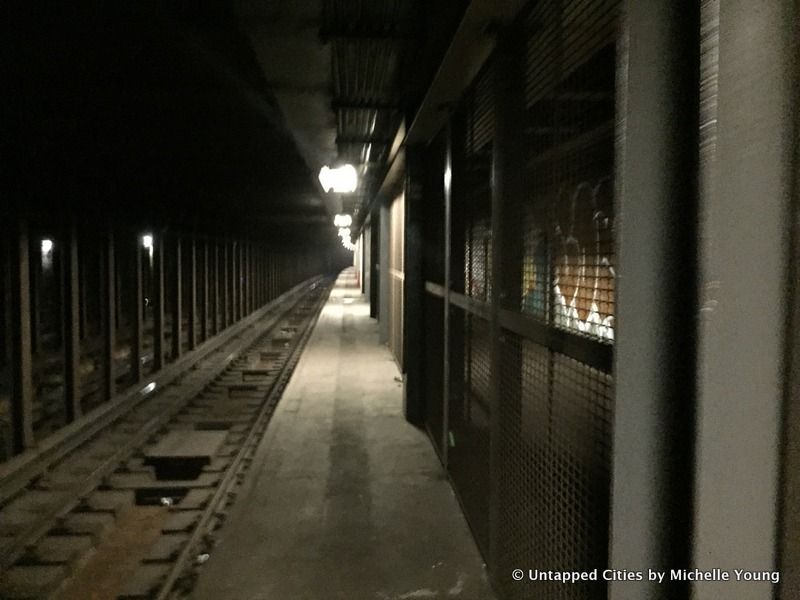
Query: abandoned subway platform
x=396, y=299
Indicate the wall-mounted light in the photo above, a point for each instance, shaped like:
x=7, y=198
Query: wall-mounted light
x=341, y=180
x=147, y=244
x=47, y=253
x=342, y=220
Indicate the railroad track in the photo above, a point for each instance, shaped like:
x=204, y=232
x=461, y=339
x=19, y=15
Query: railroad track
x=128, y=512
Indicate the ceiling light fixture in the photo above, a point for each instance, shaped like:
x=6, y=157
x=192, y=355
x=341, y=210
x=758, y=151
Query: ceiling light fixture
x=342, y=220
x=341, y=180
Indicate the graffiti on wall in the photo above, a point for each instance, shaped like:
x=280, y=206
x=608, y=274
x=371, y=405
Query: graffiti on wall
x=571, y=264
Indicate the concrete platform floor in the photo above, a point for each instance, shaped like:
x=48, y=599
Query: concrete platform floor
x=345, y=499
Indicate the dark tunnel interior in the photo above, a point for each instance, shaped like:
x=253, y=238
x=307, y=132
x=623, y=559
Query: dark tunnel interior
x=404, y=299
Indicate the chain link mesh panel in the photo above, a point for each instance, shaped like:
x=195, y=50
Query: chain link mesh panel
x=555, y=412
x=470, y=419
x=554, y=452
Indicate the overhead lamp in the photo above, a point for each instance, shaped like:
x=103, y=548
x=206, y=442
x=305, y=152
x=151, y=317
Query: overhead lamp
x=342, y=220
x=147, y=241
x=47, y=246
x=344, y=232
x=341, y=180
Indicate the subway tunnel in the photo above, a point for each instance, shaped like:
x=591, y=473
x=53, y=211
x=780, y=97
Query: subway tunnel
x=395, y=299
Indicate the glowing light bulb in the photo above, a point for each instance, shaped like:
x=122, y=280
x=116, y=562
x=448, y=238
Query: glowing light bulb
x=341, y=180
x=343, y=220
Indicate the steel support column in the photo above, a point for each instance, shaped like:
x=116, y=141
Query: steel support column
x=191, y=282
x=375, y=282
x=36, y=294
x=656, y=192
x=108, y=312
x=21, y=359
x=159, y=248
x=241, y=282
x=5, y=278
x=749, y=229
x=177, y=297
x=384, y=310
x=204, y=293
x=137, y=335
x=447, y=187
x=414, y=288
x=215, y=293
x=270, y=274
x=225, y=284
x=367, y=252
x=508, y=189
x=248, y=282
x=234, y=282
x=259, y=276
x=83, y=295
x=72, y=312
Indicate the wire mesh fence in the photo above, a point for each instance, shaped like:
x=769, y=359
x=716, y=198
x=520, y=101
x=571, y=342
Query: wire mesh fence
x=529, y=404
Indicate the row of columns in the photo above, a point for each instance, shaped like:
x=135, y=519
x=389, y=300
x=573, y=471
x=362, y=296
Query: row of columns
x=226, y=280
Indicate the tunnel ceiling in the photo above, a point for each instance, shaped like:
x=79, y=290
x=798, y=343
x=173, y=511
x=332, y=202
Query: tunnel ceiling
x=214, y=115
x=156, y=112
x=335, y=68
